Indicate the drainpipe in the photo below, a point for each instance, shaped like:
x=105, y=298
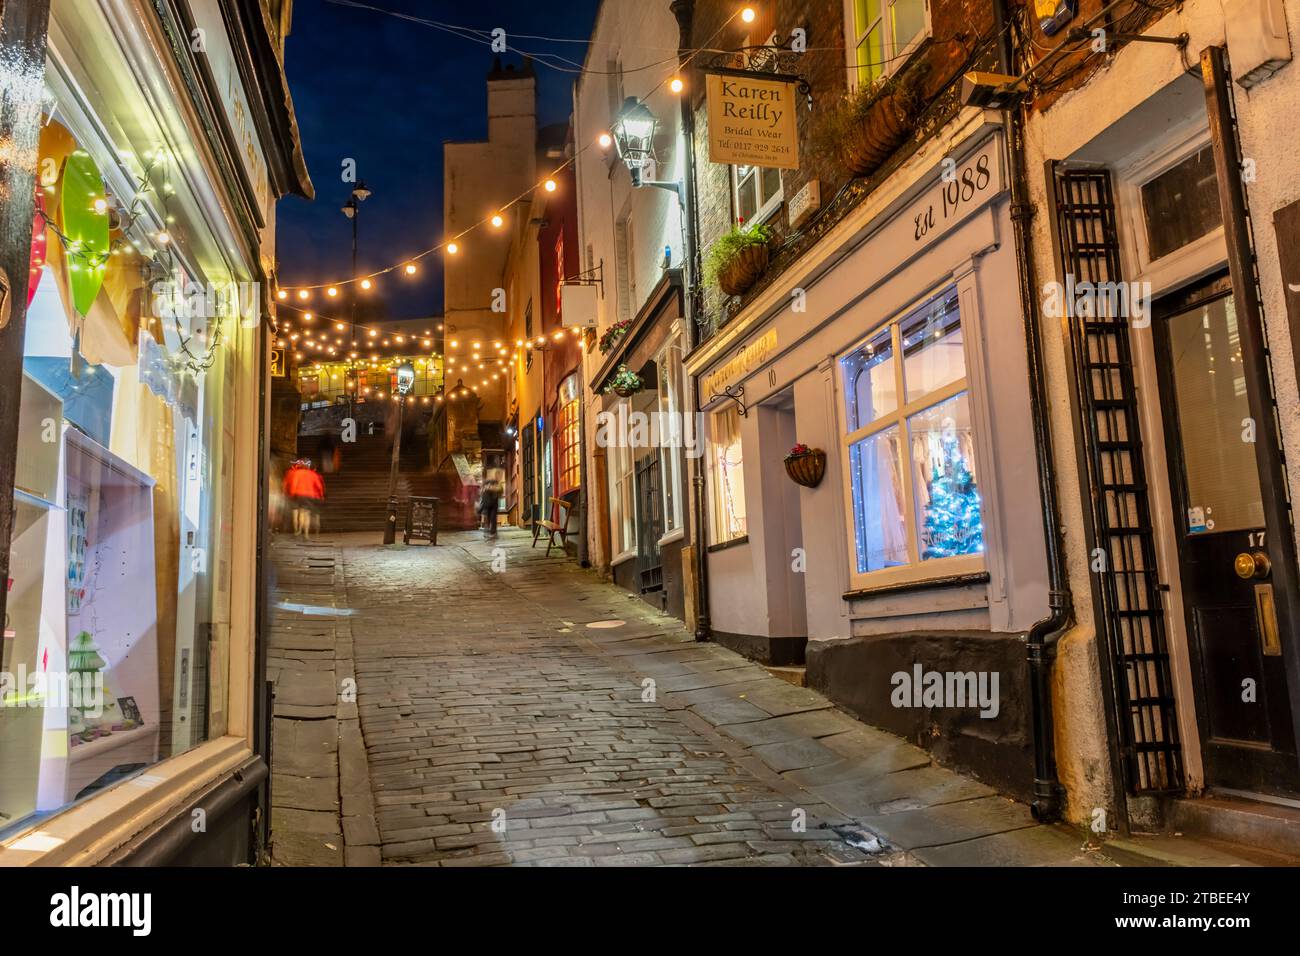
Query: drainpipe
x=1040, y=642
x=683, y=10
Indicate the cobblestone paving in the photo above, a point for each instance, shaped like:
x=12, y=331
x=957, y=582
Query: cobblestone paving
x=487, y=706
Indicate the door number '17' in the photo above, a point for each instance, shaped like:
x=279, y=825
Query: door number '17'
x=1256, y=539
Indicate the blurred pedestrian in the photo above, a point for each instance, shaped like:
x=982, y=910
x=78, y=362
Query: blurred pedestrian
x=489, y=499
x=330, y=454
x=305, y=489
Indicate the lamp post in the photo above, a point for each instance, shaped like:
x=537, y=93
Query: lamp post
x=405, y=379
x=351, y=208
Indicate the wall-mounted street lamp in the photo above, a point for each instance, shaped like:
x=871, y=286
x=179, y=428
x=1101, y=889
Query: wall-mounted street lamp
x=634, y=135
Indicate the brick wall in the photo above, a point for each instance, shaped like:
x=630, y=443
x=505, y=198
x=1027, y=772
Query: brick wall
x=957, y=29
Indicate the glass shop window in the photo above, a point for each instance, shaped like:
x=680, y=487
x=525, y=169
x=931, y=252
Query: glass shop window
x=116, y=634
x=909, y=442
x=727, y=477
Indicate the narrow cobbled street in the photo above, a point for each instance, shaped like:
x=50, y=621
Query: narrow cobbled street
x=512, y=709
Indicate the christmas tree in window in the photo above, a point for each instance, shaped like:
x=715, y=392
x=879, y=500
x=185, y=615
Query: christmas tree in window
x=952, y=520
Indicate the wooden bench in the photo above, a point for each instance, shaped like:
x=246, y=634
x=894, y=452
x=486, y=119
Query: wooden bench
x=561, y=511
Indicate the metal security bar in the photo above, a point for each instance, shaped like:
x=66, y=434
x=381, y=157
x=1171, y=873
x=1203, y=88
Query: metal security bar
x=1127, y=582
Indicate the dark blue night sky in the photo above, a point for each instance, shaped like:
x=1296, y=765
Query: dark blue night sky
x=388, y=93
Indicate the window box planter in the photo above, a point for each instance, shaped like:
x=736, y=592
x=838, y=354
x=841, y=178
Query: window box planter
x=613, y=334
x=806, y=466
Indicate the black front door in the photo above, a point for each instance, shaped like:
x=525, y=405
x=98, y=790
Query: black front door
x=1228, y=585
x=526, y=514
x=649, y=524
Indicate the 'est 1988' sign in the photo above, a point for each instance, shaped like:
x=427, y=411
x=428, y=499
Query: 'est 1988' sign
x=959, y=190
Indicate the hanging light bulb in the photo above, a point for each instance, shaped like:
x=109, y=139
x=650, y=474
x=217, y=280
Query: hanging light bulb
x=550, y=185
x=366, y=284
x=304, y=295
x=452, y=248
x=332, y=292
x=498, y=221
x=410, y=268
x=282, y=295
x=676, y=84
x=605, y=140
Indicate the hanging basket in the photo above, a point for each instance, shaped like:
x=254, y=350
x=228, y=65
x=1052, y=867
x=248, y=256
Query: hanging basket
x=744, y=268
x=625, y=391
x=807, y=469
x=885, y=127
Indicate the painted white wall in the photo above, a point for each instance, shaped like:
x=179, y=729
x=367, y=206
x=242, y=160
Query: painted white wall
x=640, y=37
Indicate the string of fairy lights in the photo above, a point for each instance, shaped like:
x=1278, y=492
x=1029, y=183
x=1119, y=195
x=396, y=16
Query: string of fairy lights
x=303, y=294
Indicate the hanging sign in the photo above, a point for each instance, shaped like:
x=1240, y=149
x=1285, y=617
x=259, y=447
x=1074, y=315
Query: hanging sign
x=752, y=120
x=277, y=363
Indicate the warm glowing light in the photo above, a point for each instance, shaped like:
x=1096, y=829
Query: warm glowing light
x=366, y=284
x=748, y=14
x=332, y=292
x=498, y=221
x=676, y=84
x=550, y=185
x=452, y=248
x=373, y=333
x=410, y=268
x=340, y=326
x=605, y=140
x=101, y=206
x=164, y=237
x=307, y=316
x=455, y=344
x=282, y=295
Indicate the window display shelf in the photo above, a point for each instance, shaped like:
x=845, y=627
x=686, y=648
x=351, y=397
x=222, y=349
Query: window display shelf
x=96, y=749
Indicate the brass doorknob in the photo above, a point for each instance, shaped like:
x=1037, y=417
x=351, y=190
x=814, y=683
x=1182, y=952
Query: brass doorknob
x=1252, y=564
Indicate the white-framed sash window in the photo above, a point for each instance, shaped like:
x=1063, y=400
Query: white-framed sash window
x=881, y=34
x=913, y=492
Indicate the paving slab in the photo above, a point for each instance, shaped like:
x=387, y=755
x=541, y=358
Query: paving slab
x=1032, y=846
x=949, y=822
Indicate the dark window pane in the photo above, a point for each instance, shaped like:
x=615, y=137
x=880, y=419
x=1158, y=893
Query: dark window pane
x=1181, y=204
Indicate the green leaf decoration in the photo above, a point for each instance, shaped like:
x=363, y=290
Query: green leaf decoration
x=86, y=229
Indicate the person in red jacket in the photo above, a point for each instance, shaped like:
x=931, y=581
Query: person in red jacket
x=305, y=489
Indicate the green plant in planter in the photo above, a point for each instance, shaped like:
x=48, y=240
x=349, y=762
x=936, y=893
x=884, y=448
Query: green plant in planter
x=624, y=382
x=736, y=259
x=865, y=126
x=613, y=334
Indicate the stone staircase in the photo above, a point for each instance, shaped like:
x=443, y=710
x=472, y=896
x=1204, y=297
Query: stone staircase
x=356, y=496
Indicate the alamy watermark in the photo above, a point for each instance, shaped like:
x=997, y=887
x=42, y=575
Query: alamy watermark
x=81, y=691
x=1075, y=299
x=946, y=689
x=623, y=428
